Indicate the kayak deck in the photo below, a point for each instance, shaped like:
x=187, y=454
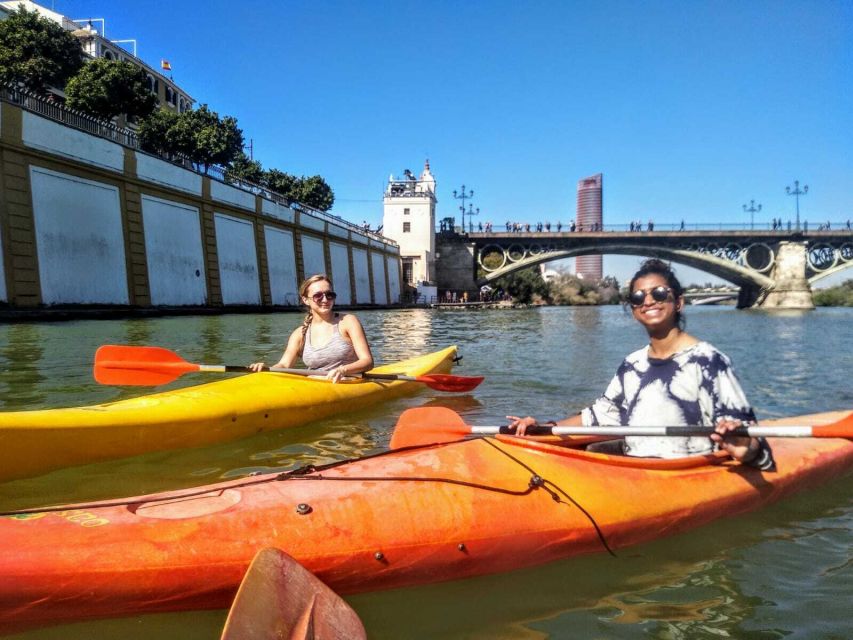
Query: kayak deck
x=401, y=518
x=34, y=442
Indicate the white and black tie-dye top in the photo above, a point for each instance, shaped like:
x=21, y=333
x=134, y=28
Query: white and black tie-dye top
x=696, y=386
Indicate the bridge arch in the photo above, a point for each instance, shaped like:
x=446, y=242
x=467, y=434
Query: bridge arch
x=720, y=267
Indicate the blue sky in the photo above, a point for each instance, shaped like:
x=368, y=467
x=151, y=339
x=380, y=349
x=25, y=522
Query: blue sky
x=690, y=109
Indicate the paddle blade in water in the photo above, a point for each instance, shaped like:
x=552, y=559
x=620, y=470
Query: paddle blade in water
x=279, y=598
x=124, y=365
x=428, y=425
x=447, y=382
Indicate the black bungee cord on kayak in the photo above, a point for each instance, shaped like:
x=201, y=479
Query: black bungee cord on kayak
x=302, y=473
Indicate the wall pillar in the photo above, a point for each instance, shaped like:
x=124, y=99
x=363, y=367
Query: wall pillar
x=791, y=288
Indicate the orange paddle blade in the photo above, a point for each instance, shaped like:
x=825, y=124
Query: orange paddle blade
x=125, y=365
x=279, y=598
x=428, y=425
x=840, y=429
x=448, y=382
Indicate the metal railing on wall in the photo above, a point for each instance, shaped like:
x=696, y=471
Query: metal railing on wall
x=48, y=107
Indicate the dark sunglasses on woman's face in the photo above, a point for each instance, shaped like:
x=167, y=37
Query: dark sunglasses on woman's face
x=659, y=294
x=329, y=295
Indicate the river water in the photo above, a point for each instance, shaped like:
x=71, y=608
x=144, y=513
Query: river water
x=783, y=572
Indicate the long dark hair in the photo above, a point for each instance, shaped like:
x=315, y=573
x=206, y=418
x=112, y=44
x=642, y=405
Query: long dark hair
x=654, y=266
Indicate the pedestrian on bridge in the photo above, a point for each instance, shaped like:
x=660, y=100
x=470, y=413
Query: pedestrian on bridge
x=676, y=379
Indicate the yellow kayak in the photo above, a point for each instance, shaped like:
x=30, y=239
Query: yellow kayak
x=34, y=442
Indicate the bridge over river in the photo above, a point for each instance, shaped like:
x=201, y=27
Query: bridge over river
x=773, y=268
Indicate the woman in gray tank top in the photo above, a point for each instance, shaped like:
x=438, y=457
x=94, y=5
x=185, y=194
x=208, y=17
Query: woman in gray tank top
x=328, y=341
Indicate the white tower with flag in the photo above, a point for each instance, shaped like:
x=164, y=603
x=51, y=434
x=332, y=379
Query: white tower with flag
x=409, y=219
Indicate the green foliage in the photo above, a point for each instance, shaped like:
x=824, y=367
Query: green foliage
x=282, y=183
x=525, y=286
x=315, y=192
x=204, y=138
x=242, y=168
x=153, y=132
x=107, y=88
x=568, y=289
x=37, y=52
x=840, y=296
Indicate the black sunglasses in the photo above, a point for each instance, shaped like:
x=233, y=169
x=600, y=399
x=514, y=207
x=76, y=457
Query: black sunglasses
x=329, y=295
x=659, y=294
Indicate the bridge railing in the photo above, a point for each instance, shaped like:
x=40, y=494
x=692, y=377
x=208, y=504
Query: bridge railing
x=623, y=227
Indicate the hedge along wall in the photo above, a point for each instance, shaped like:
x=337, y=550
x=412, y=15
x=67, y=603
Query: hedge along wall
x=85, y=221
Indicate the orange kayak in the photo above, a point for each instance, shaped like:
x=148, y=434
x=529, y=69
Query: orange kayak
x=405, y=517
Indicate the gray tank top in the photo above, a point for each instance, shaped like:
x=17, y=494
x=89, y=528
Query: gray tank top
x=336, y=352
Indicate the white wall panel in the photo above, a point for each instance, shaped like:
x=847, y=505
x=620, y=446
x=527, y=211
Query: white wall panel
x=362, y=276
x=335, y=230
x=47, y=135
x=276, y=210
x=340, y=271
x=165, y=173
x=281, y=262
x=313, y=257
x=310, y=222
x=238, y=260
x=232, y=195
x=174, y=251
x=377, y=261
x=393, y=278
x=79, y=239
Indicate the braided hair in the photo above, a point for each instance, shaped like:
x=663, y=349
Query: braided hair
x=303, y=293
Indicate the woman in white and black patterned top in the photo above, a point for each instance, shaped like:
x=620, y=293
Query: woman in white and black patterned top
x=674, y=380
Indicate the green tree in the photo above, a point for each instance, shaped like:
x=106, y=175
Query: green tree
x=205, y=138
x=37, y=52
x=153, y=132
x=838, y=296
x=524, y=285
x=315, y=192
x=242, y=168
x=282, y=183
x=107, y=88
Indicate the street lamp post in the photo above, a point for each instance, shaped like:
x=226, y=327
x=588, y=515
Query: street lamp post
x=463, y=197
x=471, y=213
x=752, y=209
x=797, y=192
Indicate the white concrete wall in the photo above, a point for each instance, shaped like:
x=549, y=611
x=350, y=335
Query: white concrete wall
x=238, y=260
x=341, y=232
x=340, y=271
x=50, y=136
x=162, y=172
x=310, y=222
x=313, y=257
x=79, y=239
x=378, y=264
x=281, y=261
x=232, y=195
x=362, y=276
x=174, y=251
x=393, y=277
x=276, y=210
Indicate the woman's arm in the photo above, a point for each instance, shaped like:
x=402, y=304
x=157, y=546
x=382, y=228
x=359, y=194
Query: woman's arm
x=291, y=351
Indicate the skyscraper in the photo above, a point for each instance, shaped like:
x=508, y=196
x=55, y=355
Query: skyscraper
x=589, y=218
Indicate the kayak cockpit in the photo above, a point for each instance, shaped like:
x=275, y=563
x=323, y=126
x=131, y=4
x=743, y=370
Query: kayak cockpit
x=576, y=447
